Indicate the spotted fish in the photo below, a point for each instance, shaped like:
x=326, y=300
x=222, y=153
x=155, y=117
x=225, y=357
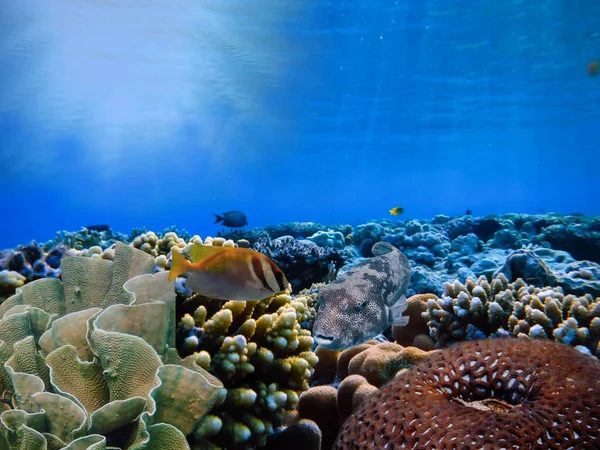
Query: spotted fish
x=364, y=301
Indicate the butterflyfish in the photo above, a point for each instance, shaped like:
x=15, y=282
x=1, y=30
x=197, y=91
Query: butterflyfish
x=228, y=273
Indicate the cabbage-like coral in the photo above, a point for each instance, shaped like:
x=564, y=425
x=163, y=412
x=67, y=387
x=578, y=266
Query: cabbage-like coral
x=262, y=355
x=90, y=362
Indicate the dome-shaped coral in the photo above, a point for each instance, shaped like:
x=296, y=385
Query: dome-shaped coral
x=492, y=393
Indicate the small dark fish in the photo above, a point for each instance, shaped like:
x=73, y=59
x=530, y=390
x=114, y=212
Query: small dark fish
x=100, y=227
x=593, y=67
x=468, y=212
x=396, y=210
x=233, y=219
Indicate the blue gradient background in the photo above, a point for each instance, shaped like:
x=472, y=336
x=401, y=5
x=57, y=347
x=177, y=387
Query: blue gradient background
x=154, y=113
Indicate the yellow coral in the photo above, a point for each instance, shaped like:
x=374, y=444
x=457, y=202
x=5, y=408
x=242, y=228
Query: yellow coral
x=11, y=279
x=262, y=355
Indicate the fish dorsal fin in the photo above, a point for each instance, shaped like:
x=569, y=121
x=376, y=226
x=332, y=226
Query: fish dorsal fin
x=381, y=248
x=395, y=311
x=199, y=252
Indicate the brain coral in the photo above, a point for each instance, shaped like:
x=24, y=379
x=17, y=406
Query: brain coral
x=487, y=394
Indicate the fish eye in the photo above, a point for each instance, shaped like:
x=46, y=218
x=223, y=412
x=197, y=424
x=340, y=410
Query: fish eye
x=363, y=305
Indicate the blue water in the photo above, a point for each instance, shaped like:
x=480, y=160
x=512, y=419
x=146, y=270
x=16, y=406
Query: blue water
x=141, y=113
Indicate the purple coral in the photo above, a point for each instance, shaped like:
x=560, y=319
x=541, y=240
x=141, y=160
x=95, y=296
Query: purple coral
x=302, y=261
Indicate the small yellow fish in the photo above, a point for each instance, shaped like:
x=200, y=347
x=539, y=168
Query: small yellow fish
x=397, y=210
x=228, y=273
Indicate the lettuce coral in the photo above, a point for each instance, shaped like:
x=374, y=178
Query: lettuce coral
x=90, y=362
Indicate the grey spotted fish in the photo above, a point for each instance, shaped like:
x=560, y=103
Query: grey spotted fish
x=364, y=301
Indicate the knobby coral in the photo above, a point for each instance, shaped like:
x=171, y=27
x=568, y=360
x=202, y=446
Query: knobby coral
x=478, y=309
x=90, y=362
x=486, y=394
x=262, y=355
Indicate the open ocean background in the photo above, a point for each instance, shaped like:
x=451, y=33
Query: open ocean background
x=155, y=113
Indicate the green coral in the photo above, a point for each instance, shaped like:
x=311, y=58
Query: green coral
x=90, y=362
x=480, y=308
x=262, y=355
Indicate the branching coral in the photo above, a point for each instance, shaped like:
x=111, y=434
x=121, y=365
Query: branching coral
x=262, y=355
x=478, y=309
x=491, y=393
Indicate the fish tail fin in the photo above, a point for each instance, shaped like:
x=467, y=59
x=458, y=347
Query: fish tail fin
x=218, y=218
x=179, y=265
x=395, y=311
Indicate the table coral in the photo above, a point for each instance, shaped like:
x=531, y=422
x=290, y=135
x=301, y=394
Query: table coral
x=262, y=355
x=487, y=394
x=478, y=309
x=90, y=360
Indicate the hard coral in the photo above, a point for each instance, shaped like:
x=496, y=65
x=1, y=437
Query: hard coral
x=487, y=394
x=91, y=361
x=478, y=309
x=378, y=362
x=262, y=355
x=302, y=261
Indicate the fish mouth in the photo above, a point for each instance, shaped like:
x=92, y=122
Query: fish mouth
x=324, y=341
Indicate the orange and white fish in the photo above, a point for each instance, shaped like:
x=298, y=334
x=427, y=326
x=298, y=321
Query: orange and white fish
x=228, y=273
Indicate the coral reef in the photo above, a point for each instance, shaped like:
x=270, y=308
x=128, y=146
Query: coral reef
x=90, y=328
x=91, y=360
x=302, y=261
x=478, y=309
x=493, y=393
x=302, y=435
x=416, y=332
x=440, y=249
x=377, y=362
x=357, y=372
x=262, y=355
x=581, y=277
x=298, y=230
x=328, y=239
x=85, y=238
